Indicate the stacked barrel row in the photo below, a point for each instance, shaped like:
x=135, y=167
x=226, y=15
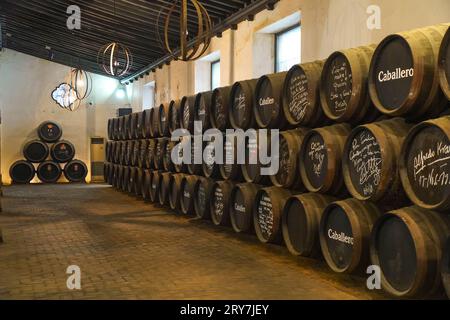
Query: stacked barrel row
x=49, y=152
x=363, y=175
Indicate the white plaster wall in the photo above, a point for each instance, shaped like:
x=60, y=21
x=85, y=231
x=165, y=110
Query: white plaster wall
x=25, y=87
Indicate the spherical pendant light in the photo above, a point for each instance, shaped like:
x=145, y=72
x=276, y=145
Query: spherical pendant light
x=115, y=59
x=81, y=82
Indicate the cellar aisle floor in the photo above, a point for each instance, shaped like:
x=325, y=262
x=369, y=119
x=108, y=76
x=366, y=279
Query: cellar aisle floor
x=127, y=249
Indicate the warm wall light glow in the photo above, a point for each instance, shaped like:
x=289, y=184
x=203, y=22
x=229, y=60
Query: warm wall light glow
x=120, y=93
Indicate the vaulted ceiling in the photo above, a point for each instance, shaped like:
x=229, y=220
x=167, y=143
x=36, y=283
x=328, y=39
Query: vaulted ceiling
x=38, y=27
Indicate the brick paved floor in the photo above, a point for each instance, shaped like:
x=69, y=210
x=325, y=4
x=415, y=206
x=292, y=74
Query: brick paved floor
x=128, y=249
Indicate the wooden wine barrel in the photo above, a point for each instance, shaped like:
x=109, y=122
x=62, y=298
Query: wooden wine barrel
x=49, y=172
x=164, y=188
x=288, y=175
x=300, y=223
x=407, y=244
x=147, y=130
x=445, y=267
x=119, y=177
x=370, y=161
x=75, y=171
x=155, y=178
x=108, y=146
x=139, y=182
x=241, y=104
x=155, y=122
x=168, y=164
x=49, y=131
x=344, y=232
x=135, y=126
x=35, y=151
x=203, y=109
x=110, y=129
x=343, y=87
x=130, y=152
x=301, y=96
x=143, y=147
x=163, y=120
x=187, y=113
x=252, y=168
x=202, y=197
x=160, y=148
x=106, y=172
x=127, y=126
x=136, y=152
x=267, y=108
x=125, y=178
x=146, y=185
x=115, y=132
x=268, y=209
x=120, y=152
x=242, y=200
x=321, y=154
x=196, y=165
x=131, y=180
x=424, y=164
x=403, y=79
x=175, y=191
x=219, y=115
x=187, y=194
x=150, y=153
x=62, y=151
x=22, y=172
x=174, y=115
x=220, y=202
x=210, y=166
x=230, y=169
x=121, y=128
x=115, y=175
x=444, y=64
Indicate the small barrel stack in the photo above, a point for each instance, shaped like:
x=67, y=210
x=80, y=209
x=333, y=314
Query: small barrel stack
x=45, y=156
x=358, y=176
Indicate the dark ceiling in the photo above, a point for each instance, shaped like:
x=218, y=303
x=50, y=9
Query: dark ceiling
x=34, y=26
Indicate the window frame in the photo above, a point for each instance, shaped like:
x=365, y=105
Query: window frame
x=277, y=35
x=213, y=63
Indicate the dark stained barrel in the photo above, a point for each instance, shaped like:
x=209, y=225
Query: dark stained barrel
x=267, y=213
x=110, y=129
x=22, y=172
x=160, y=148
x=241, y=104
x=146, y=184
x=150, y=153
x=210, y=166
x=345, y=229
x=154, y=115
x=135, y=125
x=230, y=169
x=252, y=169
x=130, y=188
x=121, y=128
x=202, y=197
x=370, y=161
x=196, y=165
x=301, y=96
x=425, y=164
x=404, y=79
x=49, y=172
x=321, y=154
x=300, y=223
x=444, y=65
x=139, y=183
x=220, y=104
x=164, y=188
x=445, y=267
x=62, y=151
x=187, y=194
x=168, y=164
x=155, y=178
x=179, y=162
x=143, y=146
x=220, y=202
x=174, y=115
x=119, y=177
x=128, y=135
x=130, y=152
x=108, y=147
x=75, y=171
x=163, y=120
x=35, y=151
x=267, y=105
x=408, y=244
x=174, y=191
x=147, y=130
x=242, y=200
x=288, y=175
x=125, y=178
x=202, y=110
x=344, y=88
x=115, y=132
x=187, y=114
x=49, y=131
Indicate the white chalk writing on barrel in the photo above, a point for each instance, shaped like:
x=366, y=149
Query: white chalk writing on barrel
x=317, y=156
x=265, y=216
x=436, y=157
x=341, y=87
x=299, y=103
